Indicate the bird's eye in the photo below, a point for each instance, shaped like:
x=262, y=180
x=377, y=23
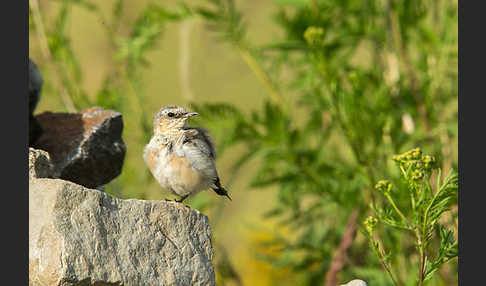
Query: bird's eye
x=170, y=114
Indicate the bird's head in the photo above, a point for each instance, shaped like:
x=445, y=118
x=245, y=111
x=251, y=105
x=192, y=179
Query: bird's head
x=171, y=117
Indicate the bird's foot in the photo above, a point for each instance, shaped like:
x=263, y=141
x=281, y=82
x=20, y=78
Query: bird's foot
x=182, y=199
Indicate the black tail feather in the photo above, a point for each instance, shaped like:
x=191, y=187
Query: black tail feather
x=220, y=190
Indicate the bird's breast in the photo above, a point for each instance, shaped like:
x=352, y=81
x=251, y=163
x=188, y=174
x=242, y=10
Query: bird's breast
x=178, y=170
x=182, y=173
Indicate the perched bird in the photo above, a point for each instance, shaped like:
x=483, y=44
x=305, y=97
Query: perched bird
x=181, y=157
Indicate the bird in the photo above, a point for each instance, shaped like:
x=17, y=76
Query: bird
x=180, y=157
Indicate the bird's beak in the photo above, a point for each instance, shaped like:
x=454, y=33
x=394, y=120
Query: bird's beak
x=190, y=114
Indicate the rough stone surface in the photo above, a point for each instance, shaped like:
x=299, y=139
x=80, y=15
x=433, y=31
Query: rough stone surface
x=40, y=164
x=355, y=282
x=80, y=236
x=86, y=147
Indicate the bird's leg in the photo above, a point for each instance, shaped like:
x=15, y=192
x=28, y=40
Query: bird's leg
x=182, y=198
x=168, y=200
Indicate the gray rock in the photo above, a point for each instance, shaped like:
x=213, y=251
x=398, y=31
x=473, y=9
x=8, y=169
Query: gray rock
x=80, y=236
x=35, y=85
x=35, y=88
x=355, y=282
x=40, y=164
x=86, y=147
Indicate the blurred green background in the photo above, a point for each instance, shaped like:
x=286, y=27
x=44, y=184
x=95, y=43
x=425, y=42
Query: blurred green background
x=399, y=57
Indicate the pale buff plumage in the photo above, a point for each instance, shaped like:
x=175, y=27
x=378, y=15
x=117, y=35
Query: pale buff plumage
x=181, y=158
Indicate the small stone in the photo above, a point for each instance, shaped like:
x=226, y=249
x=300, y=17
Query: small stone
x=355, y=282
x=86, y=147
x=40, y=164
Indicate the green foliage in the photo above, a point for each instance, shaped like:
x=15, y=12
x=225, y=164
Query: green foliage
x=122, y=88
x=146, y=30
x=222, y=17
x=356, y=77
x=349, y=83
x=421, y=218
x=63, y=56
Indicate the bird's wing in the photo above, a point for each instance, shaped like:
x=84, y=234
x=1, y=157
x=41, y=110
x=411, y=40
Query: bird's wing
x=199, y=137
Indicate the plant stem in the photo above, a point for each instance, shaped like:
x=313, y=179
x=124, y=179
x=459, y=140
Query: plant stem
x=65, y=97
x=423, y=256
x=185, y=60
x=381, y=257
x=347, y=239
x=395, y=28
x=315, y=6
x=351, y=142
x=412, y=200
x=397, y=209
x=422, y=263
x=261, y=75
x=403, y=172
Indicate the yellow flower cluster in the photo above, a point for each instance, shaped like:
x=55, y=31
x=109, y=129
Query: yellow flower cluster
x=417, y=175
x=428, y=161
x=383, y=186
x=314, y=35
x=419, y=163
x=414, y=154
x=370, y=224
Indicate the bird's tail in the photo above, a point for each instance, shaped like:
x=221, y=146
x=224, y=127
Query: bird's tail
x=218, y=189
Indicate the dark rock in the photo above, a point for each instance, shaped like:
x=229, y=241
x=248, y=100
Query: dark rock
x=35, y=130
x=86, y=147
x=35, y=87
